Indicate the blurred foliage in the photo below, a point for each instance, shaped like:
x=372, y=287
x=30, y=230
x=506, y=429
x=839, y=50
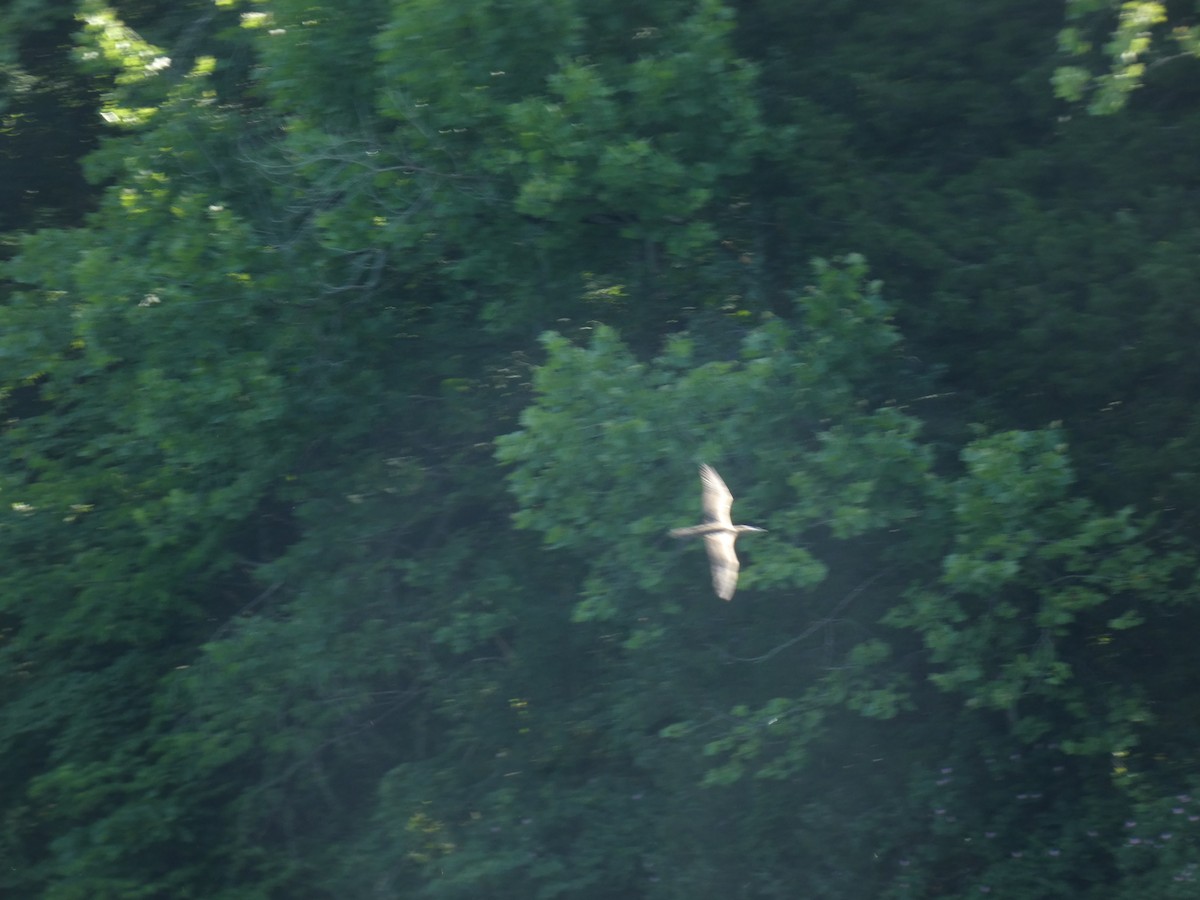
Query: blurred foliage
x=356, y=358
x=1136, y=38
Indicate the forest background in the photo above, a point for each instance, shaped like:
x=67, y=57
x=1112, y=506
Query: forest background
x=356, y=357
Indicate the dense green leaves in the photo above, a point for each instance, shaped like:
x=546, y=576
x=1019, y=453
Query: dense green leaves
x=323, y=577
x=1133, y=37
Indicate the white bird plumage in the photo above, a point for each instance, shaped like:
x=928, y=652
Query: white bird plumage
x=718, y=531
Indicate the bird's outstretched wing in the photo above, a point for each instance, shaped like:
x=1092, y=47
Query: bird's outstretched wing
x=724, y=563
x=717, y=501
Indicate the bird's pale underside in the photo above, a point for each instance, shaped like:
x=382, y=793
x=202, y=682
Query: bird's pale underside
x=718, y=531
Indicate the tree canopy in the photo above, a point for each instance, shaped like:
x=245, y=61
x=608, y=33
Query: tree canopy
x=355, y=360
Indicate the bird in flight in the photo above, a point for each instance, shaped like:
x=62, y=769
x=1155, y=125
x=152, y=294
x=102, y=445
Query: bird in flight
x=718, y=531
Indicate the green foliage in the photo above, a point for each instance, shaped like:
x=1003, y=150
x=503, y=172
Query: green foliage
x=1035, y=585
x=322, y=578
x=597, y=452
x=1129, y=44
x=46, y=119
x=1036, y=588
